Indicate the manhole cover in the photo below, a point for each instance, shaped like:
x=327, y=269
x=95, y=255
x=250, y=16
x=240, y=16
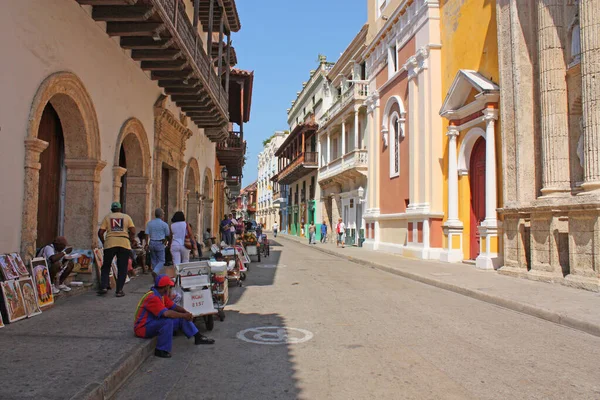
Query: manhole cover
x=273, y=335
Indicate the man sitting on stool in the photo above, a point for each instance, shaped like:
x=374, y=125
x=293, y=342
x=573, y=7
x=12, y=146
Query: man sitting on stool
x=157, y=315
x=60, y=268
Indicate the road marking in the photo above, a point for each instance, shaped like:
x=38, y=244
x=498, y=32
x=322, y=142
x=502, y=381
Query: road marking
x=275, y=335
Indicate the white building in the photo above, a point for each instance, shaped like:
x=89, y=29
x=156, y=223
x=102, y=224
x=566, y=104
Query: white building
x=267, y=191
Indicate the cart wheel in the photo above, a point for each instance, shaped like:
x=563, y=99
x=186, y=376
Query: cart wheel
x=259, y=256
x=240, y=284
x=243, y=276
x=221, y=315
x=209, y=320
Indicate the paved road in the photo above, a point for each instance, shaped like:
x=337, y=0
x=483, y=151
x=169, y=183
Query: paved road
x=375, y=336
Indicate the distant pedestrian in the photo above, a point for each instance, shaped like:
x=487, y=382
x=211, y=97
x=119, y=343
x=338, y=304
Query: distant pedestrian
x=157, y=234
x=275, y=229
x=312, y=230
x=324, y=232
x=224, y=226
x=341, y=233
x=120, y=232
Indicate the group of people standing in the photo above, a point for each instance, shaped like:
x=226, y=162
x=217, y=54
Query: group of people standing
x=228, y=229
x=340, y=230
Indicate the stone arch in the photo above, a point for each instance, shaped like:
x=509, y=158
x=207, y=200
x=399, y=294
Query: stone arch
x=131, y=184
x=393, y=107
x=73, y=104
x=192, y=201
x=466, y=147
x=207, y=196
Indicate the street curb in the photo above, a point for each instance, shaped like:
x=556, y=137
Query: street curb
x=557, y=318
x=120, y=372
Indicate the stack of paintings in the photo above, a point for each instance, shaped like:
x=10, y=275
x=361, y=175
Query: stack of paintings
x=19, y=295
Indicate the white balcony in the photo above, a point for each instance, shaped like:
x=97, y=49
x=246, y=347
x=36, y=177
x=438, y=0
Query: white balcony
x=357, y=92
x=351, y=166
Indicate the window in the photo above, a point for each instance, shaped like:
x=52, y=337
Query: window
x=392, y=60
x=380, y=7
x=396, y=136
x=314, y=100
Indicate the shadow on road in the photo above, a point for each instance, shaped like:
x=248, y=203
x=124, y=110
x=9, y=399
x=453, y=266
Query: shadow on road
x=231, y=369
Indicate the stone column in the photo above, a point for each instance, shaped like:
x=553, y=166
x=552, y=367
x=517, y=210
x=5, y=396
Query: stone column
x=589, y=12
x=328, y=146
x=356, y=145
x=343, y=136
x=553, y=97
x=490, y=116
x=118, y=173
x=376, y=154
x=320, y=155
x=452, y=177
x=33, y=149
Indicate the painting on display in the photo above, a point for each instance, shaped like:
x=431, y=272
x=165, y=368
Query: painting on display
x=13, y=300
x=41, y=281
x=30, y=297
x=9, y=271
x=19, y=264
x=83, y=261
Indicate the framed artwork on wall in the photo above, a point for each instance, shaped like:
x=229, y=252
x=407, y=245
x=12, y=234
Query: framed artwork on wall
x=83, y=263
x=41, y=280
x=9, y=271
x=19, y=264
x=30, y=297
x=13, y=300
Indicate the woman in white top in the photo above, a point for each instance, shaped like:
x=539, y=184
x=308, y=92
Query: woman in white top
x=179, y=230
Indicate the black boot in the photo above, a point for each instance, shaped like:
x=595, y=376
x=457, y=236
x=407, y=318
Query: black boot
x=201, y=339
x=162, y=353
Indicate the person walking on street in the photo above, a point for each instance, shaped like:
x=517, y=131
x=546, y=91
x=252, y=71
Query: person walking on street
x=158, y=315
x=324, y=232
x=312, y=229
x=341, y=233
x=275, y=229
x=181, y=239
x=120, y=232
x=157, y=234
x=232, y=230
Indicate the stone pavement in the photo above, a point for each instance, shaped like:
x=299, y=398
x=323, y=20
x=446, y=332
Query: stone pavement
x=574, y=308
x=82, y=348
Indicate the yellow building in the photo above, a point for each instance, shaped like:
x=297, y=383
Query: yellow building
x=472, y=157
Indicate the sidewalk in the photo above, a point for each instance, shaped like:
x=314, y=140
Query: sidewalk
x=574, y=308
x=82, y=348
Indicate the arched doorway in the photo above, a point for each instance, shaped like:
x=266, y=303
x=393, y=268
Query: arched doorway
x=192, y=191
x=50, y=210
x=77, y=162
x=131, y=172
x=207, y=213
x=477, y=183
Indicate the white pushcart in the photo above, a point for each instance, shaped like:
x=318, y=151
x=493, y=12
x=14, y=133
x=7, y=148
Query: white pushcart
x=194, y=284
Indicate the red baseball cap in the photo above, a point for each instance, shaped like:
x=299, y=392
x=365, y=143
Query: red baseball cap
x=163, y=280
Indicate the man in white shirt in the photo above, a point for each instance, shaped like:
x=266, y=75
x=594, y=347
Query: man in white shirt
x=275, y=229
x=232, y=229
x=59, y=267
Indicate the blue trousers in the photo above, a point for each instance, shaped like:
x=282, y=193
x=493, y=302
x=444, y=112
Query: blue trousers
x=157, y=255
x=164, y=328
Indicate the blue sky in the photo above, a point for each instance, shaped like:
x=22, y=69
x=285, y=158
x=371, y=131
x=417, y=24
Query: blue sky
x=280, y=41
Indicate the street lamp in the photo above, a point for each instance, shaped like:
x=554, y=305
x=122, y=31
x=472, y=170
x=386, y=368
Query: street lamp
x=224, y=173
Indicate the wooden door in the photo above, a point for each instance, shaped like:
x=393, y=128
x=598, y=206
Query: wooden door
x=477, y=180
x=51, y=160
x=164, y=192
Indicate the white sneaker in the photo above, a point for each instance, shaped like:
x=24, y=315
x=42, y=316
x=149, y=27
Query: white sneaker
x=55, y=290
x=64, y=288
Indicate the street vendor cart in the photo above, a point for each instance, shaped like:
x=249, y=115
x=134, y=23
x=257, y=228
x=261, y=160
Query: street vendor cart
x=234, y=267
x=194, y=288
x=251, y=245
x=220, y=286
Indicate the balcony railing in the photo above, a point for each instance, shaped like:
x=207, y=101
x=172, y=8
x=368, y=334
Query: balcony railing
x=352, y=160
x=233, y=142
x=358, y=91
x=175, y=14
x=306, y=159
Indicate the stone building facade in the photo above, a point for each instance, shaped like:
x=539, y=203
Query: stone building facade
x=100, y=112
x=549, y=59
x=267, y=207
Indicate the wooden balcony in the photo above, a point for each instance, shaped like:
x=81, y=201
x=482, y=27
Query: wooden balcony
x=303, y=165
x=230, y=153
x=161, y=36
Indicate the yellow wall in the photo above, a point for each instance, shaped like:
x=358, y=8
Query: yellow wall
x=469, y=41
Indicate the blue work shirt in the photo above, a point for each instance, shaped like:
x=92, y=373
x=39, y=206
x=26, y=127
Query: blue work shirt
x=323, y=228
x=157, y=229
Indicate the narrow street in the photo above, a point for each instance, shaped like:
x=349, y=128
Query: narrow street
x=374, y=336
